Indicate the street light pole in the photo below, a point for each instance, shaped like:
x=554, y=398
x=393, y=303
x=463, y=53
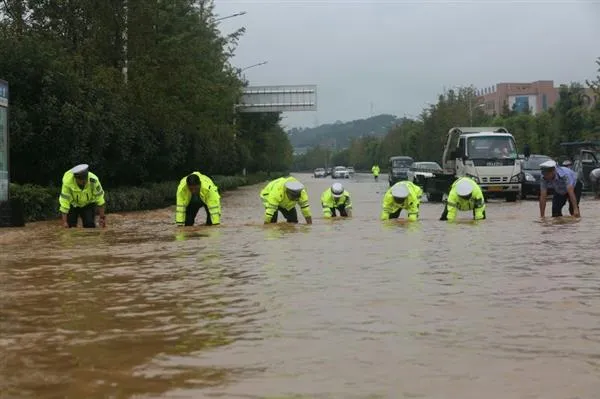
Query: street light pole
x=231, y=16
x=239, y=70
x=235, y=106
x=252, y=66
x=471, y=110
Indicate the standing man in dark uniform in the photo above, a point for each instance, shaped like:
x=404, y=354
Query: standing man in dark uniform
x=566, y=188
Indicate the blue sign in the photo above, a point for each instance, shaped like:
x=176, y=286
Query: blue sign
x=3, y=141
x=3, y=93
x=521, y=104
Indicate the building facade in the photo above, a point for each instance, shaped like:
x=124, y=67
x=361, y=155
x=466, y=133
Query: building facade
x=536, y=96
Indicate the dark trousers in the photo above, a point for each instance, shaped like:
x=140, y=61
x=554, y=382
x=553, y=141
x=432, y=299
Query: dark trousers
x=341, y=209
x=445, y=214
x=192, y=210
x=395, y=215
x=86, y=213
x=559, y=200
x=290, y=216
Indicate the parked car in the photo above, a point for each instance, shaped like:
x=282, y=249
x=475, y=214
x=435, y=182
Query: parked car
x=585, y=157
x=340, y=172
x=319, y=172
x=398, y=168
x=532, y=174
x=351, y=170
x=419, y=171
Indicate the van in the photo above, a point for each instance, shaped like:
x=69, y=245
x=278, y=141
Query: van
x=398, y=168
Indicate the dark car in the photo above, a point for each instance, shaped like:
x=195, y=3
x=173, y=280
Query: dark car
x=532, y=175
x=398, y=168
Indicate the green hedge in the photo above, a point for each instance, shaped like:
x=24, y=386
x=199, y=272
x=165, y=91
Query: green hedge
x=41, y=203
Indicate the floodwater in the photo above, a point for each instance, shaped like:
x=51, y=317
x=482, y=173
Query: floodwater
x=356, y=308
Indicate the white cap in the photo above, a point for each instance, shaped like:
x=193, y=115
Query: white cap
x=83, y=168
x=400, y=191
x=567, y=162
x=548, y=164
x=337, y=189
x=464, y=188
x=294, y=186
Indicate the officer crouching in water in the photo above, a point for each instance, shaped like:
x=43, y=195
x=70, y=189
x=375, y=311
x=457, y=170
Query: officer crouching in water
x=194, y=192
x=282, y=195
x=402, y=195
x=80, y=195
x=465, y=195
x=335, y=199
x=566, y=188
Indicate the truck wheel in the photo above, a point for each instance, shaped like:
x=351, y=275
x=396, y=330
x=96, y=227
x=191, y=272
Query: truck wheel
x=511, y=197
x=434, y=197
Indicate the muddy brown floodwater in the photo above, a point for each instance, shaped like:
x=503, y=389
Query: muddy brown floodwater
x=505, y=308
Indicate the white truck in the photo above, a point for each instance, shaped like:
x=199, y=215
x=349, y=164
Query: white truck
x=486, y=154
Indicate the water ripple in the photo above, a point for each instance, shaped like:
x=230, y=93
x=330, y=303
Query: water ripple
x=506, y=308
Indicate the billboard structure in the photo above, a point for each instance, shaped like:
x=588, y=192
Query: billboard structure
x=11, y=209
x=278, y=99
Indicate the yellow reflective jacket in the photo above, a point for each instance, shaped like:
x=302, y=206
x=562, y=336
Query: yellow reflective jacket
x=209, y=194
x=375, y=170
x=72, y=195
x=411, y=203
x=274, y=196
x=328, y=201
x=476, y=202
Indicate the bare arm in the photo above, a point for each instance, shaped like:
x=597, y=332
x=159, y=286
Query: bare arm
x=543, y=195
x=102, y=216
x=573, y=199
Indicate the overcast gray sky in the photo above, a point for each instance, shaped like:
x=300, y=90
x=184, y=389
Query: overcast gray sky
x=398, y=55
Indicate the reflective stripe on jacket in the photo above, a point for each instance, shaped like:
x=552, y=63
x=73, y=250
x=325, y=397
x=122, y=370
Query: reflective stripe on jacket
x=209, y=194
x=411, y=203
x=274, y=196
x=476, y=202
x=72, y=195
x=328, y=201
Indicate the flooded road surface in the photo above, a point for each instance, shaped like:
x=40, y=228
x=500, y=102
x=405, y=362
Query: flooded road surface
x=506, y=308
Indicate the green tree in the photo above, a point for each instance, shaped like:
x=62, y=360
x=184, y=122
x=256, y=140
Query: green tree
x=172, y=112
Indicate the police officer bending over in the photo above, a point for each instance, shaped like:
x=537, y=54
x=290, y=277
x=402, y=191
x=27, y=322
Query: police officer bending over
x=566, y=187
x=194, y=192
x=402, y=195
x=282, y=195
x=336, y=198
x=80, y=194
x=465, y=195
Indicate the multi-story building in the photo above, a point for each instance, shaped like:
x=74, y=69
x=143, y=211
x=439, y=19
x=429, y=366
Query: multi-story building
x=536, y=96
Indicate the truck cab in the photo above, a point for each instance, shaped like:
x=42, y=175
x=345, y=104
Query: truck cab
x=488, y=155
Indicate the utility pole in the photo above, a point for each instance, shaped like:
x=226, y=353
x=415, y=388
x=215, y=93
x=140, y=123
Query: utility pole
x=470, y=112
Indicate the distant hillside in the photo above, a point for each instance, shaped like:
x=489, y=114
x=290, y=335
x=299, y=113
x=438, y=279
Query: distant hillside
x=339, y=134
